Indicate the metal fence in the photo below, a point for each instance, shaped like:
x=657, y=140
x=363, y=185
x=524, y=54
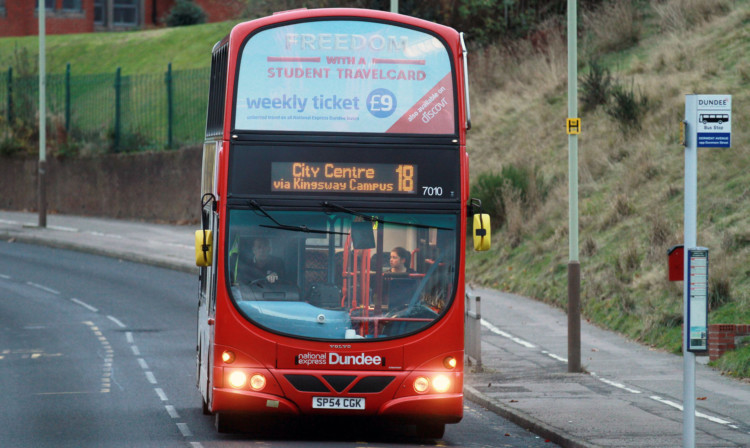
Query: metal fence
x=109, y=111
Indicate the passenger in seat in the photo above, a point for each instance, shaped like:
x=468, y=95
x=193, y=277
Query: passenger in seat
x=400, y=258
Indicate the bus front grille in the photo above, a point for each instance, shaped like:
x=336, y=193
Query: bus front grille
x=339, y=383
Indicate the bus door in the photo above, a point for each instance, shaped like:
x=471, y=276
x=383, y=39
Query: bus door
x=207, y=296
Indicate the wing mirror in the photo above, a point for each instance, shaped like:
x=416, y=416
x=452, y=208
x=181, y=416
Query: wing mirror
x=204, y=248
x=482, y=231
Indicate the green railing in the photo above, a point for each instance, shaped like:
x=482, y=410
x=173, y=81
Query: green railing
x=110, y=112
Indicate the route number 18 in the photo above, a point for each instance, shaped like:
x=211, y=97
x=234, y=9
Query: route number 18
x=405, y=177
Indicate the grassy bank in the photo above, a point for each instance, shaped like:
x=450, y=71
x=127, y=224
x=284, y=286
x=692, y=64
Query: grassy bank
x=136, y=52
x=631, y=177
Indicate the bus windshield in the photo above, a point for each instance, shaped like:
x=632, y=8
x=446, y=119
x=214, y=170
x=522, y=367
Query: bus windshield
x=334, y=275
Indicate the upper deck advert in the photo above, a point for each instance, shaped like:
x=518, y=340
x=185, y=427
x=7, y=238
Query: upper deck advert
x=345, y=76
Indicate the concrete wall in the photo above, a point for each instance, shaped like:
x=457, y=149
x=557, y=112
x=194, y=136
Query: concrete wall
x=159, y=187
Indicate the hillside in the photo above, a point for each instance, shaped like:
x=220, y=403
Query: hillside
x=631, y=181
x=136, y=52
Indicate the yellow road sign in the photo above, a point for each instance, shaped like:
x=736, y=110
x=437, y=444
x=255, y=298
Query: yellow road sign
x=574, y=126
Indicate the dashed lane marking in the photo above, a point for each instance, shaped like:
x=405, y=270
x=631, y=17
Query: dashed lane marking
x=43, y=288
x=85, y=305
x=183, y=427
x=116, y=321
x=172, y=411
x=161, y=394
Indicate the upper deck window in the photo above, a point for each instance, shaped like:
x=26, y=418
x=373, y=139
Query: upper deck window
x=345, y=76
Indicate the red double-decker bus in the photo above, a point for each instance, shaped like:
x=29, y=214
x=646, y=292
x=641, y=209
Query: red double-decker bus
x=335, y=197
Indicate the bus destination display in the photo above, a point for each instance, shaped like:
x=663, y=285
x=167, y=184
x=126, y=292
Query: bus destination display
x=344, y=177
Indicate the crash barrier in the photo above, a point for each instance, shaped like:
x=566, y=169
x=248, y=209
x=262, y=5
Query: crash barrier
x=473, y=332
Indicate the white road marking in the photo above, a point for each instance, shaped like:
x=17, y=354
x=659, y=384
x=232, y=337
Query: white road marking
x=64, y=229
x=161, y=394
x=129, y=337
x=5, y=277
x=135, y=350
x=171, y=411
x=718, y=420
x=43, y=288
x=615, y=384
x=115, y=320
x=85, y=305
x=496, y=330
x=150, y=377
x=554, y=356
x=143, y=364
x=183, y=427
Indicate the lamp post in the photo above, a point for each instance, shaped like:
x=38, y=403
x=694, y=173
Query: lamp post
x=41, y=187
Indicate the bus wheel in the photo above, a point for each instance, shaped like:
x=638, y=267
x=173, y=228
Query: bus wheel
x=430, y=430
x=225, y=423
x=206, y=410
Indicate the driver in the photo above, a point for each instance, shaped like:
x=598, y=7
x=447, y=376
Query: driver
x=263, y=265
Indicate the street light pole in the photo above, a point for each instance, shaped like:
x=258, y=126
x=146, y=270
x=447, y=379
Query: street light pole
x=574, y=266
x=41, y=187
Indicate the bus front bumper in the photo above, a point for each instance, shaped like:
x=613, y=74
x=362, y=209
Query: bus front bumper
x=447, y=408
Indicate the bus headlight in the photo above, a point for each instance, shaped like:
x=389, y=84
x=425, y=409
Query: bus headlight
x=257, y=381
x=421, y=384
x=441, y=383
x=237, y=379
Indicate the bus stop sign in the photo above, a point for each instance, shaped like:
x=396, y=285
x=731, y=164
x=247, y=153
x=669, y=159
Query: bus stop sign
x=714, y=121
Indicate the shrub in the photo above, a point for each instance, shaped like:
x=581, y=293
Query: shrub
x=595, y=87
x=515, y=186
x=185, y=12
x=627, y=108
x=488, y=188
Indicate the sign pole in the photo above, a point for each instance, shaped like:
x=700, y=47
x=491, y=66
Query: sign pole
x=708, y=119
x=394, y=6
x=691, y=198
x=41, y=187
x=574, y=266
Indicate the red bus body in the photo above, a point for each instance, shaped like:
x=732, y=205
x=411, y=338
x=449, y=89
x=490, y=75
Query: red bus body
x=332, y=373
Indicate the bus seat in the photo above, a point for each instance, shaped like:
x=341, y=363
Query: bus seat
x=316, y=266
x=385, y=262
x=399, y=290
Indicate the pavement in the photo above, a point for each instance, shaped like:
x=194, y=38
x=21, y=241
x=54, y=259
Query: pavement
x=629, y=396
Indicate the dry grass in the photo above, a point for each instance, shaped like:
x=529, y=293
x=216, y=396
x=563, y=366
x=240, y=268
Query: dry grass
x=630, y=186
x=680, y=15
x=614, y=26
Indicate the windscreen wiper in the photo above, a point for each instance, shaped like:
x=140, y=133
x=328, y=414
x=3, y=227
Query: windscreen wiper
x=281, y=226
x=376, y=219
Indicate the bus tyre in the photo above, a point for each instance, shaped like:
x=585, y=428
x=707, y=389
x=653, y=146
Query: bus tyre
x=206, y=410
x=430, y=430
x=225, y=423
